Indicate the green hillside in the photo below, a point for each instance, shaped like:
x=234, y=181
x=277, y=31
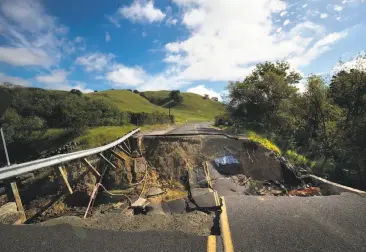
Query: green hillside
x=126, y=101
x=193, y=108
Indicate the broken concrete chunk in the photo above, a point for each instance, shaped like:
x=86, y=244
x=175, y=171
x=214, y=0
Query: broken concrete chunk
x=177, y=206
x=153, y=191
x=140, y=203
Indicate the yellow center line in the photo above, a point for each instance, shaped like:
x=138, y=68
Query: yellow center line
x=225, y=228
x=211, y=243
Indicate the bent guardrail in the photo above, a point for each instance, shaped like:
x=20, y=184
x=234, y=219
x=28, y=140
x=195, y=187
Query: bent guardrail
x=19, y=169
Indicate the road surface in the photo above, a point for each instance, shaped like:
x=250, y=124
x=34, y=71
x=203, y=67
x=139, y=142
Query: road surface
x=67, y=238
x=194, y=128
x=326, y=223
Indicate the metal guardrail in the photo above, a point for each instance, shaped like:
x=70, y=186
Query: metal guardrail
x=19, y=169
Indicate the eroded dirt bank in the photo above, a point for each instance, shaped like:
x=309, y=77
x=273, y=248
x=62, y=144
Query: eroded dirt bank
x=167, y=173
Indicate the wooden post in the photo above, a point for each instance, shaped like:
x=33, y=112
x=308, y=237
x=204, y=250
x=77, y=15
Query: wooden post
x=117, y=156
x=109, y=162
x=63, y=177
x=18, y=201
x=122, y=149
x=85, y=161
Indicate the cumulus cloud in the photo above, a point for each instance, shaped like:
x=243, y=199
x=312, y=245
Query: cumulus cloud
x=323, y=15
x=58, y=80
x=287, y=21
x=32, y=37
x=226, y=40
x=142, y=11
x=126, y=76
x=338, y=8
x=57, y=76
x=202, y=90
x=95, y=61
x=13, y=80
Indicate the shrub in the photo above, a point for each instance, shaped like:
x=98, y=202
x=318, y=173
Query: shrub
x=298, y=159
x=264, y=142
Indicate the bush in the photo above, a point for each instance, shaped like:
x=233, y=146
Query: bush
x=264, y=142
x=152, y=118
x=298, y=159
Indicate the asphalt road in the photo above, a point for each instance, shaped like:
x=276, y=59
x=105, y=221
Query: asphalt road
x=67, y=238
x=194, y=128
x=325, y=223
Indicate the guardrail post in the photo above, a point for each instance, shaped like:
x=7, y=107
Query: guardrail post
x=14, y=195
x=88, y=164
x=63, y=176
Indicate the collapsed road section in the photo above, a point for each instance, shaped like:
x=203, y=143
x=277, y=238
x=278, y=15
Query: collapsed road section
x=165, y=183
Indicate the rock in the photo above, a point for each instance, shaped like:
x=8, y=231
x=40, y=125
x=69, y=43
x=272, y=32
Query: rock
x=177, y=206
x=9, y=213
x=153, y=191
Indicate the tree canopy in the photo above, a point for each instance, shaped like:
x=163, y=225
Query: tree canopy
x=325, y=123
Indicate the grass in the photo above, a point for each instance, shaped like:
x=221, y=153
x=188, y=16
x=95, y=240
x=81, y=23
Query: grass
x=298, y=159
x=103, y=135
x=193, y=107
x=264, y=142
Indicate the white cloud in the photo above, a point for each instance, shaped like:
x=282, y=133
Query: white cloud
x=279, y=29
x=171, y=21
x=318, y=48
x=305, y=5
x=57, y=80
x=32, y=37
x=283, y=13
x=323, y=15
x=56, y=77
x=142, y=11
x=338, y=8
x=202, y=90
x=107, y=37
x=114, y=20
x=95, y=61
x=358, y=62
x=287, y=21
x=25, y=57
x=226, y=40
x=13, y=80
x=126, y=76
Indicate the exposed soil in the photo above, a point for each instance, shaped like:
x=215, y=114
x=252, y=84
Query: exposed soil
x=174, y=166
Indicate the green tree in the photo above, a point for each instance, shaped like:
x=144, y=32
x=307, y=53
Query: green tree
x=257, y=99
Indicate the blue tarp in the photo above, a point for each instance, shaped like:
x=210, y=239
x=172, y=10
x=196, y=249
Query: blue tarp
x=226, y=160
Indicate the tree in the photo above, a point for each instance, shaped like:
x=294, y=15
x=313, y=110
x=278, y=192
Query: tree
x=176, y=97
x=258, y=98
x=136, y=91
x=76, y=91
x=215, y=99
x=206, y=96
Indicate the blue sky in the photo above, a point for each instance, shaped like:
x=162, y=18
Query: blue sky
x=194, y=45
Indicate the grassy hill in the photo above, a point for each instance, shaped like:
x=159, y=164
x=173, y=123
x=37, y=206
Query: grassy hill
x=49, y=119
x=126, y=101
x=193, y=107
